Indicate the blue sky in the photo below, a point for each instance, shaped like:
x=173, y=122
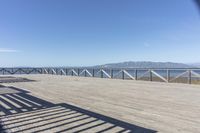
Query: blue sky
x=90, y=32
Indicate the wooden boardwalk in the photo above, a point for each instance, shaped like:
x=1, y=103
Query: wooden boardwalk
x=53, y=103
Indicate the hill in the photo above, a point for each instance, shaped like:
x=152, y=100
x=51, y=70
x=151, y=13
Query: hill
x=144, y=64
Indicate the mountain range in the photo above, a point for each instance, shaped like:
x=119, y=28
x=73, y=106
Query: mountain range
x=146, y=64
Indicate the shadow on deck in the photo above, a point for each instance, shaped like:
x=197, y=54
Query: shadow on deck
x=22, y=112
x=11, y=79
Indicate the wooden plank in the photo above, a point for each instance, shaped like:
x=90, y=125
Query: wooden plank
x=161, y=107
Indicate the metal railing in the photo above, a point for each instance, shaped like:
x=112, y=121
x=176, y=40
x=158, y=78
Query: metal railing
x=168, y=75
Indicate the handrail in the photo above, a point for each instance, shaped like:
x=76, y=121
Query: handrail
x=152, y=74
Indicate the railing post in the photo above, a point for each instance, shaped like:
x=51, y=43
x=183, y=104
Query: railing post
x=189, y=77
x=3, y=71
x=101, y=73
x=20, y=71
x=150, y=75
x=111, y=73
x=123, y=74
x=41, y=71
x=78, y=71
x=61, y=72
x=66, y=71
x=168, y=75
x=56, y=71
x=92, y=72
x=12, y=71
x=72, y=73
x=136, y=74
x=85, y=74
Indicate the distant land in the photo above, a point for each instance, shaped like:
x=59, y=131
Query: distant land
x=133, y=64
x=194, y=64
x=146, y=64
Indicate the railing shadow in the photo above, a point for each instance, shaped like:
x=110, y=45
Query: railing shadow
x=22, y=112
x=11, y=79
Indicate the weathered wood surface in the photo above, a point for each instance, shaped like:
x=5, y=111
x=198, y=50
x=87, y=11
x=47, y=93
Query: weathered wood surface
x=158, y=106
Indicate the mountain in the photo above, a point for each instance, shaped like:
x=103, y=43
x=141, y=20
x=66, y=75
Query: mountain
x=144, y=64
x=195, y=64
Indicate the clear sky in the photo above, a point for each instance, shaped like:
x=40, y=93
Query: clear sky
x=90, y=32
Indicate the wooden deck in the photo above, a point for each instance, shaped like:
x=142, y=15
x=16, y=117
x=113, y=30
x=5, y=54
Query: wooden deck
x=53, y=103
